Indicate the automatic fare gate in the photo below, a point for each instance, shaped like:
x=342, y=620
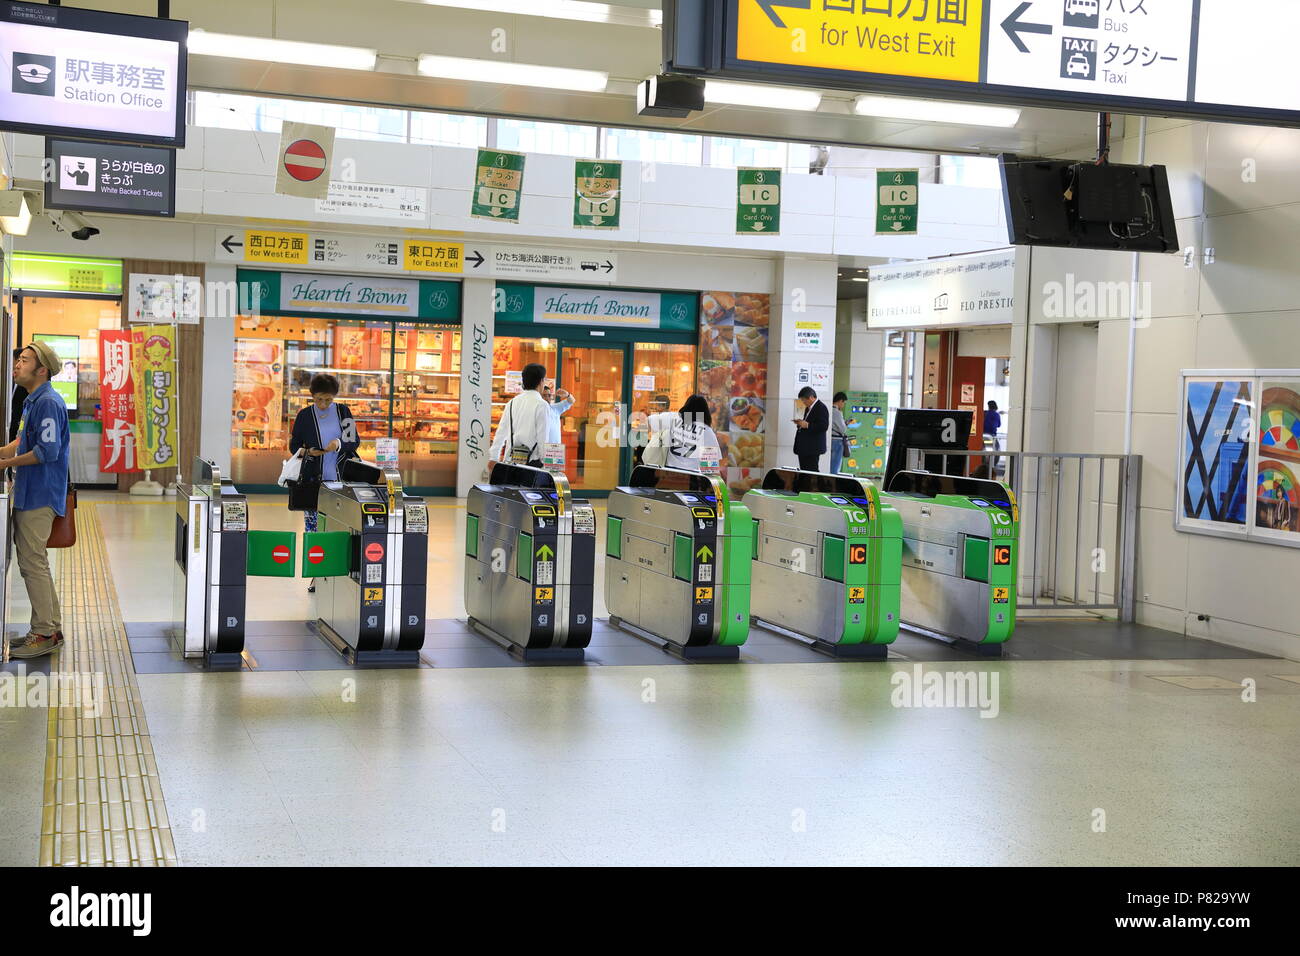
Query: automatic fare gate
x=372, y=608
x=677, y=566
x=530, y=554
x=827, y=552
x=960, y=542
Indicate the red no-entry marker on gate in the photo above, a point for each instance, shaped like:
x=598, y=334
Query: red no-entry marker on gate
x=374, y=551
x=316, y=554
x=280, y=554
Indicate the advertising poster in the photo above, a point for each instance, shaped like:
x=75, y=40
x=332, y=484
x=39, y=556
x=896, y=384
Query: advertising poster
x=117, y=401
x=158, y=411
x=733, y=378
x=259, y=390
x=1277, y=476
x=865, y=416
x=64, y=379
x=1218, y=417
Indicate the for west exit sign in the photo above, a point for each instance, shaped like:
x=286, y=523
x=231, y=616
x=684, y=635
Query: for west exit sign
x=758, y=201
x=897, y=192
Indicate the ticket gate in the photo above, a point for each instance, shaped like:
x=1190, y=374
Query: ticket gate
x=374, y=613
x=827, y=555
x=210, y=584
x=530, y=554
x=677, y=565
x=960, y=544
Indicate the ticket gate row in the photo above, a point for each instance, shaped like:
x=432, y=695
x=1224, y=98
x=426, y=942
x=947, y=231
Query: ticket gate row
x=369, y=567
x=530, y=553
x=827, y=556
x=960, y=542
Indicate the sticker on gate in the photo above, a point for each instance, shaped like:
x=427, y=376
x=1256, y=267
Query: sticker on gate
x=705, y=574
x=857, y=595
x=374, y=574
x=584, y=519
x=374, y=595
x=703, y=595
x=1001, y=595
x=544, y=595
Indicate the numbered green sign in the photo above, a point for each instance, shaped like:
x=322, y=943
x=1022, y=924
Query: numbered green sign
x=498, y=185
x=758, y=201
x=597, y=193
x=897, y=192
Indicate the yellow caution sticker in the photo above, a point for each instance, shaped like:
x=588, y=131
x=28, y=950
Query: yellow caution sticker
x=543, y=594
x=1001, y=595
x=703, y=595
x=857, y=595
x=374, y=594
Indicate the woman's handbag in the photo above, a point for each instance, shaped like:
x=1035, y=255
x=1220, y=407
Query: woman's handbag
x=303, y=495
x=291, y=470
x=63, y=532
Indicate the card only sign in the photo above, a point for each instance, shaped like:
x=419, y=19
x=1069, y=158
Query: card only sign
x=105, y=177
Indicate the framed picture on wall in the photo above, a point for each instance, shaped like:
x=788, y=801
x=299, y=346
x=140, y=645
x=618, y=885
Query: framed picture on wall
x=1276, y=484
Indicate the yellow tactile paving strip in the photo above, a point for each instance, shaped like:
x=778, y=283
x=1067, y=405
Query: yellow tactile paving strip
x=103, y=802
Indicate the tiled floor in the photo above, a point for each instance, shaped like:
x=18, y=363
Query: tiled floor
x=1086, y=761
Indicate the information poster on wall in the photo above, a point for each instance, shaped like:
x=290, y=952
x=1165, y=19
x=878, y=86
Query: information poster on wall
x=158, y=410
x=866, y=416
x=808, y=336
x=1277, y=474
x=733, y=378
x=597, y=188
x=117, y=402
x=259, y=391
x=498, y=185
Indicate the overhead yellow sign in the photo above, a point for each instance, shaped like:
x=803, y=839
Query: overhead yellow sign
x=423, y=255
x=287, y=248
x=932, y=39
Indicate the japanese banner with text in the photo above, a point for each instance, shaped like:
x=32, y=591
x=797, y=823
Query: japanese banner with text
x=117, y=398
x=157, y=410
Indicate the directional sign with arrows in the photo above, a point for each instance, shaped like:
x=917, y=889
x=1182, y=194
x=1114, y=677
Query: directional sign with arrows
x=1014, y=26
x=897, y=194
x=758, y=201
x=597, y=188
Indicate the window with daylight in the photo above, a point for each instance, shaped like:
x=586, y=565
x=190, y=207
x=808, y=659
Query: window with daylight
x=529, y=136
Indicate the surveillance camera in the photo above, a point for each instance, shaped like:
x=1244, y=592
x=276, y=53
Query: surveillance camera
x=73, y=223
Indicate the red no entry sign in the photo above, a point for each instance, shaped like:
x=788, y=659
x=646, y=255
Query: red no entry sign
x=280, y=554
x=304, y=160
x=316, y=554
x=374, y=551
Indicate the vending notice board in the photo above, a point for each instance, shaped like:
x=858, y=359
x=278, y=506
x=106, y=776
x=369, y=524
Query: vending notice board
x=866, y=415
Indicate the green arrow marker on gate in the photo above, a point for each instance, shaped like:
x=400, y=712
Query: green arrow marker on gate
x=704, y=554
x=545, y=552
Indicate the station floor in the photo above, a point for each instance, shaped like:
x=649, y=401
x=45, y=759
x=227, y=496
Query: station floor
x=1097, y=745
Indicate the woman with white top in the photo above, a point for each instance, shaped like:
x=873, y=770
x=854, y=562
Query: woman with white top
x=691, y=432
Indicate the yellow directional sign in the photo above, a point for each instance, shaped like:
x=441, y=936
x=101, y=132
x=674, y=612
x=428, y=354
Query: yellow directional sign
x=932, y=39
x=289, y=248
x=426, y=255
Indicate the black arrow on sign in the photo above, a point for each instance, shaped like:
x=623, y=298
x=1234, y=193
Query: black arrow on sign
x=1015, y=26
x=609, y=266
x=227, y=242
x=769, y=6
x=477, y=258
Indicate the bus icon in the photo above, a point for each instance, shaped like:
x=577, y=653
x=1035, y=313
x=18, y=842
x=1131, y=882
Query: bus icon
x=1082, y=13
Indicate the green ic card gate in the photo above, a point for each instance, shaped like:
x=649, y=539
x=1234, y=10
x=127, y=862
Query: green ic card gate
x=827, y=556
x=961, y=538
x=677, y=566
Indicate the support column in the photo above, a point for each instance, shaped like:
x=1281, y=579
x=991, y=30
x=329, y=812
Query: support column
x=478, y=325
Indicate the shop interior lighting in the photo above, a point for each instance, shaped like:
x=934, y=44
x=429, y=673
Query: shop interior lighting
x=513, y=74
x=560, y=10
x=281, y=51
x=936, y=111
x=756, y=94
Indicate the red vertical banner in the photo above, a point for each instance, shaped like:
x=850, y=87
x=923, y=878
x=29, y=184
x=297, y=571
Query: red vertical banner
x=117, y=398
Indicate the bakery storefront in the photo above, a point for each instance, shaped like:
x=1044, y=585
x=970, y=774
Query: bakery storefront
x=393, y=343
x=621, y=353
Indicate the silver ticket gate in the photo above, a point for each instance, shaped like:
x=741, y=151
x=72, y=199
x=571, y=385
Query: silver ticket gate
x=210, y=580
x=375, y=614
x=677, y=562
x=530, y=554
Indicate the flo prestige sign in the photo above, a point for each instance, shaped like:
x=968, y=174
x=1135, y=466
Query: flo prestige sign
x=977, y=289
x=1215, y=59
x=89, y=73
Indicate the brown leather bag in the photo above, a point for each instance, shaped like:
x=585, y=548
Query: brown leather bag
x=63, y=532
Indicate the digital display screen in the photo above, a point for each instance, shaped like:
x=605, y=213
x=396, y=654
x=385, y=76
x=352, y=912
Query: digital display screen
x=107, y=177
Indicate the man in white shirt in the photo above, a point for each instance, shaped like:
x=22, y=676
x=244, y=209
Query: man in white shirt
x=551, y=393
x=525, y=423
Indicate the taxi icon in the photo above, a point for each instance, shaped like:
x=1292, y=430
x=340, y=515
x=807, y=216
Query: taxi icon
x=1078, y=63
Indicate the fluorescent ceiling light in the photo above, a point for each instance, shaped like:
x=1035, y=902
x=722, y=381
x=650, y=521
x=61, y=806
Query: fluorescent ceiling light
x=936, y=111
x=15, y=213
x=513, y=74
x=281, y=51
x=560, y=10
x=860, y=279
x=756, y=94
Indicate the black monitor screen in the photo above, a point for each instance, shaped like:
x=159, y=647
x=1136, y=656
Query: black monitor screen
x=927, y=428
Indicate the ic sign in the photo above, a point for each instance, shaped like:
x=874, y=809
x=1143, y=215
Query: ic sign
x=1002, y=554
x=86, y=72
x=858, y=554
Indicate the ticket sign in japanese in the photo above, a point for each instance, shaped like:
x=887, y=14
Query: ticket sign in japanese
x=117, y=401
x=758, y=201
x=1171, y=56
x=597, y=187
x=498, y=185
x=897, y=194
x=105, y=177
x=68, y=71
x=427, y=255
x=289, y=248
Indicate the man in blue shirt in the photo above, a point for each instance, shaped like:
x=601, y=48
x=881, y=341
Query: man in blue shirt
x=39, y=458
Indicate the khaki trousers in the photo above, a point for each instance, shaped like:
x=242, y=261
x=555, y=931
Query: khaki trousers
x=31, y=531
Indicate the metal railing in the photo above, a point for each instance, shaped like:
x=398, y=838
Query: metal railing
x=1078, y=524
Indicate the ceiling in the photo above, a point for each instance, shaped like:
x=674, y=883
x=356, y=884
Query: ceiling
x=401, y=30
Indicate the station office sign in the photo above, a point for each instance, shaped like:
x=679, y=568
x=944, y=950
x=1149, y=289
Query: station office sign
x=74, y=72
x=1211, y=59
x=977, y=289
x=107, y=177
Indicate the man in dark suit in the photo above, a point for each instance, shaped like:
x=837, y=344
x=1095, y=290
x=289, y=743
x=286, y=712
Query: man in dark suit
x=810, y=439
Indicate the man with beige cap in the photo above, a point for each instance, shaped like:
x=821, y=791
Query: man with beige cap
x=39, y=458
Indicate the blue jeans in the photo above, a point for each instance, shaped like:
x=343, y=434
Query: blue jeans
x=309, y=520
x=837, y=454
